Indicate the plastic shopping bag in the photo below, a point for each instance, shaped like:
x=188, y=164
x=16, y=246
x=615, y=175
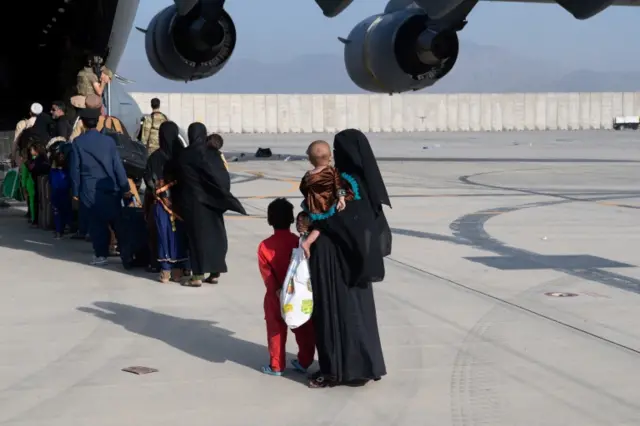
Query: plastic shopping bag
x=296, y=297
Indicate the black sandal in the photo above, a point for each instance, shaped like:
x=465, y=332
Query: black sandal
x=211, y=280
x=319, y=381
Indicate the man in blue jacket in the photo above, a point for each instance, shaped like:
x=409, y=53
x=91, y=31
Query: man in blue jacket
x=99, y=182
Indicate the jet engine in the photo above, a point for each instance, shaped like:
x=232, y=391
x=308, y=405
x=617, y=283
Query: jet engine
x=398, y=52
x=193, y=45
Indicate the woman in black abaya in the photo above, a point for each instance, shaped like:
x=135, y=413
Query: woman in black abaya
x=204, y=196
x=345, y=259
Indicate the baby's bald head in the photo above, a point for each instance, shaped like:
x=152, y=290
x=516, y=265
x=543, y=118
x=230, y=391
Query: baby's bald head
x=319, y=153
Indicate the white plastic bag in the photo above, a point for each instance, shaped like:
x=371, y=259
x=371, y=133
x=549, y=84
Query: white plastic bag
x=296, y=297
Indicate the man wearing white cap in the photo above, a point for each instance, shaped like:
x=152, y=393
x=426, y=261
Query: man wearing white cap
x=35, y=110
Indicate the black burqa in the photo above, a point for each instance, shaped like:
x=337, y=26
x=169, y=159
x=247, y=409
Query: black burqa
x=159, y=163
x=345, y=259
x=204, y=196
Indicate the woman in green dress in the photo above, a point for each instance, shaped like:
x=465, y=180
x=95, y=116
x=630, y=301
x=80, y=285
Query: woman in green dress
x=30, y=187
x=27, y=138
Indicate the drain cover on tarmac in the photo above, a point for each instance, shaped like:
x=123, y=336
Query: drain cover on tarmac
x=558, y=294
x=140, y=370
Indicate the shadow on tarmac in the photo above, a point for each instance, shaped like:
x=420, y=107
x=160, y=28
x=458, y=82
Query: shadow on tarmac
x=16, y=234
x=199, y=338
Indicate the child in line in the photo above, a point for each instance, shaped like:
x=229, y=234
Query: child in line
x=274, y=255
x=60, y=194
x=322, y=188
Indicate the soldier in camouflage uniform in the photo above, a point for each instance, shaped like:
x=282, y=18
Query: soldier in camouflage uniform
x=88, y=83
x=151, y=125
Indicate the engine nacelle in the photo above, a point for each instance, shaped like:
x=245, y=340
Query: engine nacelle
x=190, y=47
x=398, y=52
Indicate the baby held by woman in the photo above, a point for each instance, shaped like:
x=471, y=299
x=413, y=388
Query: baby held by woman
x=323, y=189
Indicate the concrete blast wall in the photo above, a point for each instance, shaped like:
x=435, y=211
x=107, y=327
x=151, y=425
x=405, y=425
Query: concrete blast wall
x=399, y=113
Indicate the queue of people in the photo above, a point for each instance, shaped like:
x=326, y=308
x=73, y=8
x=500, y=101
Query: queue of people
x=342, y=226
x=187, y=191
x=187, y=238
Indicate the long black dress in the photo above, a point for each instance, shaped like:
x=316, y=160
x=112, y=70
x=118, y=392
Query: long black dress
x=204, y=197
x=345, y=259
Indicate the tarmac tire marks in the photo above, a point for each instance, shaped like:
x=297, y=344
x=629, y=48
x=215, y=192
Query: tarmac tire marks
x=471, y=228
x=475, y=381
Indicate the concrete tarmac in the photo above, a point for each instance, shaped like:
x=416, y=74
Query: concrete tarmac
x=470, y=334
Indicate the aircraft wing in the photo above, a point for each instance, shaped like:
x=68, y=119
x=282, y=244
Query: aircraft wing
x=580, y=9
x=615, y=3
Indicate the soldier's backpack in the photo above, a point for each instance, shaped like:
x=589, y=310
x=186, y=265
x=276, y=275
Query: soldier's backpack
x=133, y=153
x=153, y=127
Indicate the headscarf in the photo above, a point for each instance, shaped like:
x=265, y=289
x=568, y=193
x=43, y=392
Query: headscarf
x=168, y=134
x=158, y=162
x=197, y=134
x=177, y=148
x=353, y=155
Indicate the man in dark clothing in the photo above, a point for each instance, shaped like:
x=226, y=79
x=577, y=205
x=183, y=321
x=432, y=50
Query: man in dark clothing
x=45, y=126
x=63, y=127
x=99, y=182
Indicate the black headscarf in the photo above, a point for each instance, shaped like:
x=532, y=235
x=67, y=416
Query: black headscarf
x=158, y=162
x=353, y=155
x=203, y=173
x=197, y=134
x=168, y=134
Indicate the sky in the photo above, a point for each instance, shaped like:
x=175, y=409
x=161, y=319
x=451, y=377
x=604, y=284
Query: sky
x=267, y=31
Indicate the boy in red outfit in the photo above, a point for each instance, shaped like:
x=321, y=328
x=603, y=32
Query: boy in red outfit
x=274, y=255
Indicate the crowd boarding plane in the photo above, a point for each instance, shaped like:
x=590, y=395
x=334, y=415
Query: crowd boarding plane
x=409, y=46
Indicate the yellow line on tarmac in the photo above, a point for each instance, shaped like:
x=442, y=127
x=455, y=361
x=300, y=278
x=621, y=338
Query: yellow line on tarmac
x=608, y=203
x=293, y=188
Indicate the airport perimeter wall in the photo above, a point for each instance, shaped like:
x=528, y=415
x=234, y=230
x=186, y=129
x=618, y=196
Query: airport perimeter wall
x=227, y=113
